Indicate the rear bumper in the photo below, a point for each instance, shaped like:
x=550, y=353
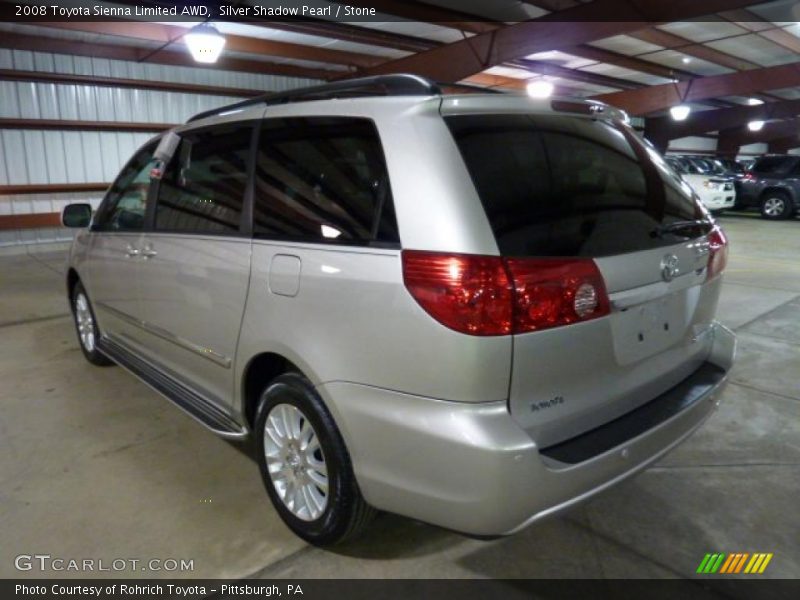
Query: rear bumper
x=471, y=468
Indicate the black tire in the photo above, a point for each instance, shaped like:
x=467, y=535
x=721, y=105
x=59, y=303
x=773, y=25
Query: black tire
x=776, y=206
x=90, y=351
x=345, y=514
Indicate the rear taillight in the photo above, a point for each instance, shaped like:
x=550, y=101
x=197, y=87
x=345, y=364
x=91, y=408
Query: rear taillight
x=490, y=295
x=718, y=252
x=553, y=292
x=471, y=294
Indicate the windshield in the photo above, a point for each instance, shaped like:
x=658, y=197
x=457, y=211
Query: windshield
x=556, y=185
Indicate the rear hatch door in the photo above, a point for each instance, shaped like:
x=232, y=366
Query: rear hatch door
x=565, y=186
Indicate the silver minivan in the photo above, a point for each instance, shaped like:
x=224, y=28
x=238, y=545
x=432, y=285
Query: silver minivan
x=472, y=309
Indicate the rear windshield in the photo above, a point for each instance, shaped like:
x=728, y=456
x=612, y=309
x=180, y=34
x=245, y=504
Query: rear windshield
x=556, y=185
x=773, y=164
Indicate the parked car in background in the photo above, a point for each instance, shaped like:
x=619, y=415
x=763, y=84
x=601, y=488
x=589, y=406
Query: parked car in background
x=733, y=167
x=772, y=185
x=717, y=192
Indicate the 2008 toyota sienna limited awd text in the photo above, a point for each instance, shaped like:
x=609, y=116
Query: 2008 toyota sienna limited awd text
x=472, y=309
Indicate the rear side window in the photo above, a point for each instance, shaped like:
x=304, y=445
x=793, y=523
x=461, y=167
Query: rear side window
x=203, y=187
x=322, y=180
x=553, y=185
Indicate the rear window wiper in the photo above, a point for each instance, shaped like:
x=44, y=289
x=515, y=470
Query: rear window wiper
x=677, y=226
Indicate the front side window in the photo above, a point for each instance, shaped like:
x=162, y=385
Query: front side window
x=203, y=187
x=124, y=207
x=322, y=180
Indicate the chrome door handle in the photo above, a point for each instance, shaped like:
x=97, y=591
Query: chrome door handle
x=149, y=253
x=131, y=251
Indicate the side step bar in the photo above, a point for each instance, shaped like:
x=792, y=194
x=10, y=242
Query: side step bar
x=189, y=401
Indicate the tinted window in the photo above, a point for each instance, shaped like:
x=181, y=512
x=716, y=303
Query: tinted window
x=773, y=164
x=203, y=187
x=561, y=186
x=322, y=180
x=124, y=207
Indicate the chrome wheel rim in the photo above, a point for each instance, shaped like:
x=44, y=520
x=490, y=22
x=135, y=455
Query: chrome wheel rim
x=295, y=462
x=83, y=317
x=773, y=206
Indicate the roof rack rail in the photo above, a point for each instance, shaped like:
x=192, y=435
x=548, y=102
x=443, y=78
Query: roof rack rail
x=379, y=85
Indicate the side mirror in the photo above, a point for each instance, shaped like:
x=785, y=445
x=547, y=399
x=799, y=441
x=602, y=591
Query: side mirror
x=76, y=215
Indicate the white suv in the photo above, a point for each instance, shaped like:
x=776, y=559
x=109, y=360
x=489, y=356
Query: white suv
x=473, y=309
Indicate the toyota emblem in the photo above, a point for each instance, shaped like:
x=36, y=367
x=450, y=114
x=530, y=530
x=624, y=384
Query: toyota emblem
x=669, y=267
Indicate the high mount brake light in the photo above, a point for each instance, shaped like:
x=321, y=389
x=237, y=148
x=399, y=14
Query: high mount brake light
x=490, y=295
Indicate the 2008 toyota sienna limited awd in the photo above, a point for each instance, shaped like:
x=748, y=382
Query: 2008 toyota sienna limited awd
x=472, y=309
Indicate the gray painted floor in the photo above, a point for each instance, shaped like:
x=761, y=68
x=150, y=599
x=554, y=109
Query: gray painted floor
x=95, y=465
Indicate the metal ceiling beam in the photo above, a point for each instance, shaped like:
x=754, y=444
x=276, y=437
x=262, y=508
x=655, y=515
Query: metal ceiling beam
x=74, y=125
x=749, y=20
x=789, y=128
x=667, y=40
x=783, y=145
x=576, y=25
x=426, y=13
x=665, y=128
x=40, y=43
x=170, y=34
x=690, y=48
x=659, y=97
x=456, y=20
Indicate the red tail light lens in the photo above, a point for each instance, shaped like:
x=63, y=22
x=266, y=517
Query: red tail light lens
x=471, y=294
x=489, y=295
x=554, y=292
x=718, y=252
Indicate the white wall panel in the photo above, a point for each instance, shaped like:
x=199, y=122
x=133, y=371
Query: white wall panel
x=83, y=65
x=14, y=156
x=699, y=144
x=55, y=157
x=41, y=203
x=753, y=149
x=9, y=102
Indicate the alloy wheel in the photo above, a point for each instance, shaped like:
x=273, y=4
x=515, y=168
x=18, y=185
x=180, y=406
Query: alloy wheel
x=85, y=321
x=296, y=462
x=774, y=207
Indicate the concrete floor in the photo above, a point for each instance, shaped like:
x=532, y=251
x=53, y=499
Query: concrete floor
x=93, y=464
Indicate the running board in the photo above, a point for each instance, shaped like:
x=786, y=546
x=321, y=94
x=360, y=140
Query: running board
x=186, y=399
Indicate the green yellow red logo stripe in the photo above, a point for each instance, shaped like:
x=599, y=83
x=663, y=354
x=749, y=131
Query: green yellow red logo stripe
x=735, y=562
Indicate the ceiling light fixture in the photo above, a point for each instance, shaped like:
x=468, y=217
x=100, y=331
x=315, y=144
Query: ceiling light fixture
x=205, y=43
x=540, y=89
x=686, y=60
x=754, y=101
x=680, y=112
x=755, y=125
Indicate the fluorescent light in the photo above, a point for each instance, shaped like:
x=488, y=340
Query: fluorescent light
x=754, y=101
x=755, y=125
x=205, y=43
x=680, y=112
x=540, y=89
x=686, y=60
x=330, y=232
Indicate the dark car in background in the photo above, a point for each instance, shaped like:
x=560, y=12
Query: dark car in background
x=772, y=185
x=733, y=167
